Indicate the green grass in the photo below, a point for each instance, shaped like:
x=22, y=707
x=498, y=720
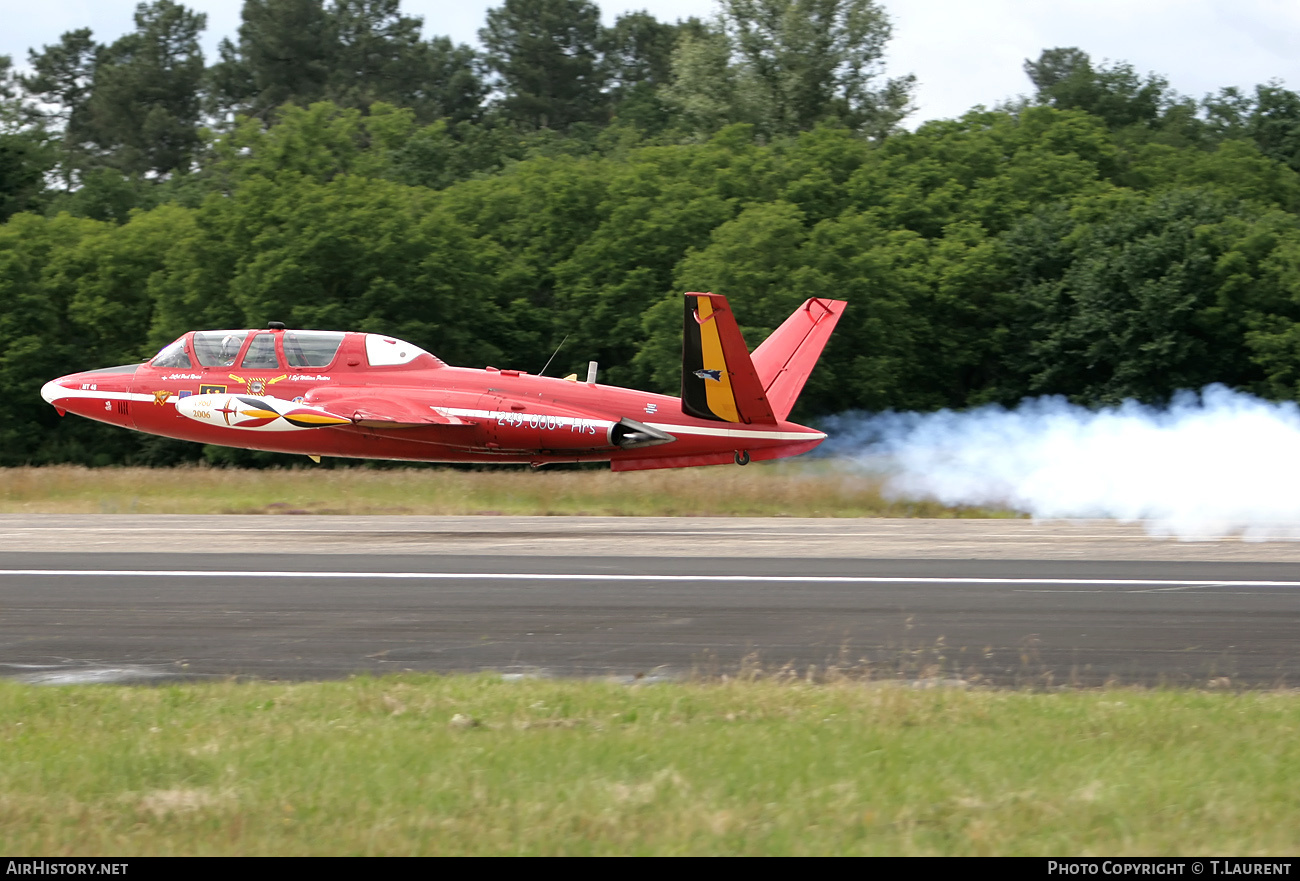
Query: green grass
x=478, y=765
x=798, y=489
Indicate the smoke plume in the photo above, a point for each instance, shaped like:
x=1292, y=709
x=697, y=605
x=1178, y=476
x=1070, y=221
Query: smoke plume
x=1210, y=464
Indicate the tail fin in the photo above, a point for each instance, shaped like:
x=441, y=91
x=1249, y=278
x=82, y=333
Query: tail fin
x=786, y=358
x=718, y=379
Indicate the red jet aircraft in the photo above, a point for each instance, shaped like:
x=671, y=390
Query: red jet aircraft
x=368, y=396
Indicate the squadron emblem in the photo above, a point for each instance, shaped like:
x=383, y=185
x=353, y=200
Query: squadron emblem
x=258, y=386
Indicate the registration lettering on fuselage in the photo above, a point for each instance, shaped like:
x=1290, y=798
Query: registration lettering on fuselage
x=546, y=422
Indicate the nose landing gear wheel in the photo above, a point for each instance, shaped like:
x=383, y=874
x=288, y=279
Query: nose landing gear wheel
x=742, y=457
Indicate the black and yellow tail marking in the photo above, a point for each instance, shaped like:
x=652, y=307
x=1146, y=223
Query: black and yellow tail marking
x=718, y=378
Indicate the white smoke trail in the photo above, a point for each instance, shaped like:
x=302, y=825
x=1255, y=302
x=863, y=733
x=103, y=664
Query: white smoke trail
x=1209, y=465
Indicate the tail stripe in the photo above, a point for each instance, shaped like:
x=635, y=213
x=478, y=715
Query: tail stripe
x=718, y=379
x=721, y=399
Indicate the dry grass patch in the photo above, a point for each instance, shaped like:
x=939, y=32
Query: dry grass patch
x=794, y=489
x=162, y=803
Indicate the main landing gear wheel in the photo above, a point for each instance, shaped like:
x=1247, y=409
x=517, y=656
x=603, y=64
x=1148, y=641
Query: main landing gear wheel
x=742, y=457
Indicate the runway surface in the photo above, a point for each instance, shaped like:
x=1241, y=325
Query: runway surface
x=626, y=536
x=110, y=599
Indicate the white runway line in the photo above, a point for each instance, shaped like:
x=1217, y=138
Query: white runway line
x=1166, y=583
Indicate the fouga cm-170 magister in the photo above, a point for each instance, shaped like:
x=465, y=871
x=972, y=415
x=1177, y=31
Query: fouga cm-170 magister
x=369, y=396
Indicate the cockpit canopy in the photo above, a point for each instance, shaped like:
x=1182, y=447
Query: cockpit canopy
x=274, y=350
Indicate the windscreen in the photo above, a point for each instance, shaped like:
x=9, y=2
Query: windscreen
x=173, y=356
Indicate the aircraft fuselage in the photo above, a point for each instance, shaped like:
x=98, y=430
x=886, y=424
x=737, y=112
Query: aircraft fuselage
x=368, y=396
x=503, y=416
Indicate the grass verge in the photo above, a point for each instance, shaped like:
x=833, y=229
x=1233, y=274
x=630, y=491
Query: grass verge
x=761, y=490
x=478, y=765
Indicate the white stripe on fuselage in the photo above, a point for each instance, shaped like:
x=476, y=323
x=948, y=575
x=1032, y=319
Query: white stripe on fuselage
x=52, y=392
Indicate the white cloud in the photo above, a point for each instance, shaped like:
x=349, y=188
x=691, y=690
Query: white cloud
x=967, y=53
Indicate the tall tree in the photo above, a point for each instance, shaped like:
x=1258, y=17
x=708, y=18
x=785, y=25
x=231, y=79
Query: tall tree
x=1270, y=117
x=638, y=61
x=284, y=54
x=545, y=55
x=454, y=89
x=379, y=55
x=1274, y=123
x=795, y=63
x=11, y=102
x=61, y=80
x=352, y=52
x=707, y=90
x=1067, y=79
x=145, y=102
x=24, y=154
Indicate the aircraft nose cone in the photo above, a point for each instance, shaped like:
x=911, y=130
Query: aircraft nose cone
x=52, y=391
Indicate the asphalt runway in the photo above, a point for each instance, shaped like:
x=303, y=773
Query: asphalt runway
x=282, y=598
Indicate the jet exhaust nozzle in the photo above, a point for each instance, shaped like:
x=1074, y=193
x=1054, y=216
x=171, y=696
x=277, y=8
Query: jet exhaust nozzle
x=628, y=434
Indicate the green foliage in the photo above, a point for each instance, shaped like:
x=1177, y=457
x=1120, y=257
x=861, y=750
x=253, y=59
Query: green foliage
x=25, y=158
x=1120, y=298
x=438, y=155
x=1273, y=123
x=350, y=252
x=104, y=194
x=73, y=296
x=319, y=142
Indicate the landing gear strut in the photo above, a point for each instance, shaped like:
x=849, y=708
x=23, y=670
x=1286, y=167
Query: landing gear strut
x=742, y=457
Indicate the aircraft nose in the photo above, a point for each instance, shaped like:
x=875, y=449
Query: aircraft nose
x=52, y=391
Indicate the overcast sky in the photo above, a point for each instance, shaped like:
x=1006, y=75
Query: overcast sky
x=963, y=52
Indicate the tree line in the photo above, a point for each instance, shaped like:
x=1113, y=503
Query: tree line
x=1101, y=238
x=139, y=104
